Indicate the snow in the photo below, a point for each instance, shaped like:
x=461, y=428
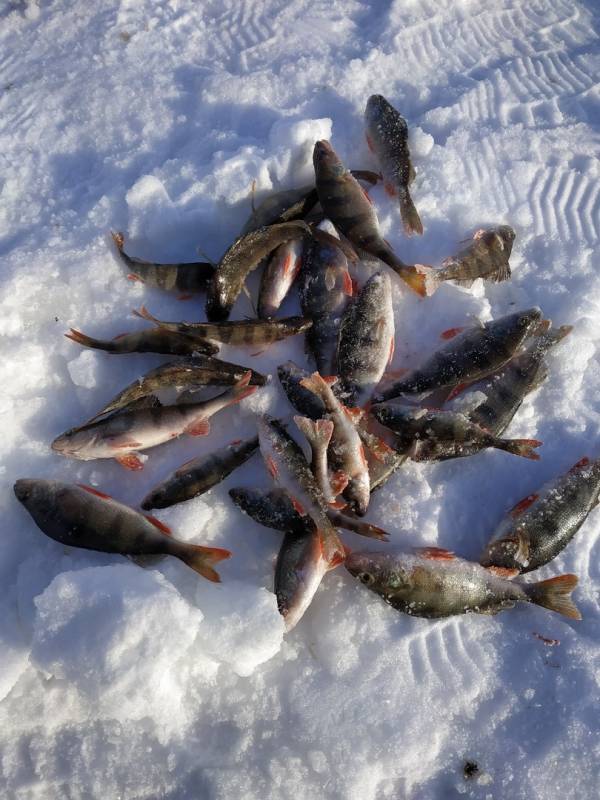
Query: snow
x=136, y=682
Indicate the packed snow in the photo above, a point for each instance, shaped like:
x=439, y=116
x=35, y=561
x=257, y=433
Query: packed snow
x=141, y=681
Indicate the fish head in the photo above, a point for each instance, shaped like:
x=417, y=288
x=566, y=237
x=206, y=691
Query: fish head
x=159, y=497
x=377, y=105
x=513, y=329
x=72, y=442
x=377, y=571
x=25, y=490
x=326, y=159
x=36, y=495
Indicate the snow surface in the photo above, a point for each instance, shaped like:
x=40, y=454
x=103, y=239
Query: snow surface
x=154, y=118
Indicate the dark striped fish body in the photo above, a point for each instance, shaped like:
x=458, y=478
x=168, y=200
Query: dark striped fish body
x=434, y=583
x=303, y=400
x=287, y=466
x=541, y=525
x=423, y=432
x=345, y=203
x=325, y=288
x=199, y=475
x=278, y=276
x=244, y=255
x=252, y=332
x=80, y=516
x=284, y=206
x=188, y=373
x=122, y=435
x=192, y=276
x=366, y=341
x=151, y=340
x=485, y=257
x=471, y=355
x=387, y=137
x=299, y=570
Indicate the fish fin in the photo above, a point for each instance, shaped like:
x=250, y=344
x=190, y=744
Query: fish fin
x=315, y=383
x=119, y=239
x=480, y=233
x=200, y=427
x=354, y=413
x=367, y=195
x=583, y=462
x=415, y=277
x=435, y=553
x=143, y=313
x=271, y=467
x=298, y=506
x=369, y=143
x=93, y=491
x=130, y=443
x=338, y=482
x=79, y=337
x=501, y=274
x=317, y=432
x=504, y=572
x=338, y=505
x=348, y=284
x=158, y=524
x=380, y=448
x=450, y=333
x=185, y=296
x=242, y=389
x=554, y=594
x=338, y=557
x=201, y=559
x=520, y=447
x=523, y=505
x=456, y=391
x=392, y=348
x=410, y=217
x=133, y=276
x=390, y=189
x=130, y=461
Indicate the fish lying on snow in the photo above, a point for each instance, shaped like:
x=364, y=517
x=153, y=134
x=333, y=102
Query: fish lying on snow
x=387, y=137
x=80, y=516
x=472, y=354
x=345, y=203
x=303, y=400
x=188, y=373
x=541, y=525
x=199, y=475
x=423, y=432
x=485, y=257
x=325, y=288
x=188, y=277
x=434, y=583
x=151, y=340
x=366, y=340
x=250, y=332
x=278, y=277
x=122, y=435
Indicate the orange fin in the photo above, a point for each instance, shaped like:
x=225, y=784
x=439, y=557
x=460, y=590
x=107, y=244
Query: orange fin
x=298, y=507
x=450, y=333
x=133, y=277
x=337, y=504
x=200, y=427
x=554, y=594
x=130, y=461
x=354, y=412
x=390, y=189
x=271, y=467
x=523, y=505
x=338, y=482
x=348, y=284
x=201, y=559
x=583, y=462
x=118, y=239
x=158, y=524
x=392, y=348
x=185, y=296
x=456, y=391
x=504, y=572
x=96, y=492
x=435, y=553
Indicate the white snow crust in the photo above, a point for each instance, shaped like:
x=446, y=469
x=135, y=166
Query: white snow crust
x=142, y=682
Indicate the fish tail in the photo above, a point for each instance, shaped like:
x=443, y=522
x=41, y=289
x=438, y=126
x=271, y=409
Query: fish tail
x=143, y=313
x=118, y=239
x=415, y=277
x=520, y=447
x=316, y=384
x=408, y=212
x=201, y=559
x=554, y=594
x=317, y=432
x=242, y=389
x=87, y=341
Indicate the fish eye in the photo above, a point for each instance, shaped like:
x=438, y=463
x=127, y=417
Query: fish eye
x=366, y=578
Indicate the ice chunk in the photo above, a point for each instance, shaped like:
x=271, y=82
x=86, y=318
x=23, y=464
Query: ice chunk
x=242, y=626
x=83, y=369
x=293, y=141
x=420, y=143
x=151, y=210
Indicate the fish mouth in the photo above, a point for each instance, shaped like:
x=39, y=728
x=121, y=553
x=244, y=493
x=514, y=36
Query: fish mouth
x=23, y=489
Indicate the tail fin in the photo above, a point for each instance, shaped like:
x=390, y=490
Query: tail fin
x=143, y=313
x=554, y=594
x=201, y=559
x=242, y=389
x=318, y=433
x=410, y=217
x=87, y=341
x=316, y=384
x=415, y=277
x=118, y=239
x=520, y=447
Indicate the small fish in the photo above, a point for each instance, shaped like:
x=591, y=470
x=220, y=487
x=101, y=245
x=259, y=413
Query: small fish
x=122, y=435
x=278, y=277
x=485, y=257
x=366, y=341
x=287, y=466
x=151, y=340
x=199, y=475
x=387, y=137
x=434, y=583
x=275, y=510
x=345, y=203
x=244, y=255
x=541, y=525
x=346, y=453
x=299, y=570
x=472, y=354
x=318, y=434
x=184, y=374
x=251, y=332
x=325, y=289
x=303, y=400
x=80, y=516
x=190, y=277
x=422, y=431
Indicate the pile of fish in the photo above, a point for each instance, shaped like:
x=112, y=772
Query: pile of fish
x=359, y=423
